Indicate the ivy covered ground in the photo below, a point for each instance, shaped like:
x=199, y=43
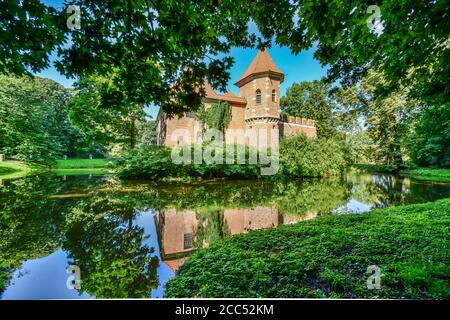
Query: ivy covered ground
x=329, y=257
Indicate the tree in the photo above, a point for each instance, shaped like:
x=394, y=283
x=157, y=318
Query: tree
x=430, y=141
x=312, y=100
x=29, y=32
x=410, y=44
x=33, y=119
x=102, y=125
x=157, y=51
x=387, y=118
x=147, y=132
x=161, y=51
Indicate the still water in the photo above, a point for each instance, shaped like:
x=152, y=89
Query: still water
x=129, y=237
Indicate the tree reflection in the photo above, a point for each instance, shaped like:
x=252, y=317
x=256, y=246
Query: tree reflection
x=31, y=221
x=110, y=250
x=94, y=219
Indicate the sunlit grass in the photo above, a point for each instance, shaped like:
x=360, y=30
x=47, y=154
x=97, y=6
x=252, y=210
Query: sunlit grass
x=16, y=169
x=431, y=174
x=82, y=163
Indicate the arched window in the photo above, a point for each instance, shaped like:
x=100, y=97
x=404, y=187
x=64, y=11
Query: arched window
x=274, y=96
x=258, y=96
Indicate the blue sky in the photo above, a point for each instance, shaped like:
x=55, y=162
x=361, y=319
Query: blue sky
x=297, y=68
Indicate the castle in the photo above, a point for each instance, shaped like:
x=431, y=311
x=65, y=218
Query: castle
x=257, y=107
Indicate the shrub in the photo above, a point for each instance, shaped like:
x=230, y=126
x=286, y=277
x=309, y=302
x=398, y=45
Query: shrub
x=155, y=162
x=301, y=156
x=149, y=161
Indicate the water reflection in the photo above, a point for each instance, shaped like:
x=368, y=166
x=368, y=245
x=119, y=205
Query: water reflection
x=128, y=237
x=182, y=231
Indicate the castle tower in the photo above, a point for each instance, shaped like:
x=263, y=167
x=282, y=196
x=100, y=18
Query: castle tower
x=260, y=86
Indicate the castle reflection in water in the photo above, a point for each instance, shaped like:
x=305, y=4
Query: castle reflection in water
x=182, y=232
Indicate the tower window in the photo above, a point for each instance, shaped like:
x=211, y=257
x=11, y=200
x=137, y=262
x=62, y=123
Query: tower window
x=274, y=96
x=258, y=96
x=187, y=240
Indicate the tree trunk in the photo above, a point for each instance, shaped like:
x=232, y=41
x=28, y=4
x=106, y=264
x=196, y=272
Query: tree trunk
x=133, y=131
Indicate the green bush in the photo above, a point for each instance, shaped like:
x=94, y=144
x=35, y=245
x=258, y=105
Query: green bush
x=328, y=257
x=301, y=156
x=149, y=161
x=155, y=162
x=430, y=143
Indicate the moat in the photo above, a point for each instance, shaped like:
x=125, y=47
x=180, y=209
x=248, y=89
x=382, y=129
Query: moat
x=129, y=237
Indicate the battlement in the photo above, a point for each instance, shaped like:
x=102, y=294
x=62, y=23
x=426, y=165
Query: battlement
x=298, y=121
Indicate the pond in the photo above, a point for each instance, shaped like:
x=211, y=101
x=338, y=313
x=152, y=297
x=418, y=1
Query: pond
x=128, y=238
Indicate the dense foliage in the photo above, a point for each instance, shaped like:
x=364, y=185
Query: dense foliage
x=41, y=121
x=155, y=162
x=152, y=162
x=328, y=257
x=104, y=127
x=311, y=100
x=33, y=119
x=217, y=116
x=145, y=46
x=430, y=144
x=301, y=156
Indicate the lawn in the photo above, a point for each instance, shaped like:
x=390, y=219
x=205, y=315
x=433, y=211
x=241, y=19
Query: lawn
x=329, y=257
x=430, y=174
x=82, y=163
x=15, y=169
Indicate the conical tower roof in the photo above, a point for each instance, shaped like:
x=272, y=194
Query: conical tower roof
x=261, y=64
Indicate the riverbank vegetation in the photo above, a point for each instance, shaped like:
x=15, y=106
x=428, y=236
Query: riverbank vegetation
x=299, y=156
x=430, y=174
x=16, y=168
x=427, y=174
x=328, y=257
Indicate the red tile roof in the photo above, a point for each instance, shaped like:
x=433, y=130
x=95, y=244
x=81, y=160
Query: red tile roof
x=229, y=96
x=262, y=63
x=174, y=265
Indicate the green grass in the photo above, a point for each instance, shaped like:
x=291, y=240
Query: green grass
x=329, y=257
x=77, y=172
x=16, y=169
x=430, y=174
x=6, y=170
x=82, y=163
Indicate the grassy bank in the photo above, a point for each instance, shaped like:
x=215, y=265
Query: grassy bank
x=430, y=174
x=16, y=169
x=426, y=174
x=329, y=257
x=82, y=166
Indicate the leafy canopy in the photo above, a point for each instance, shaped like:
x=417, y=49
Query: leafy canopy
x=161, y=51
